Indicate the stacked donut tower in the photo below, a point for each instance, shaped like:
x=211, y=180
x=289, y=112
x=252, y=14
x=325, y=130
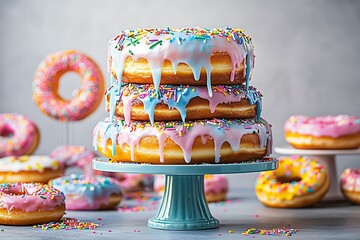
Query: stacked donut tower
x=182, y=96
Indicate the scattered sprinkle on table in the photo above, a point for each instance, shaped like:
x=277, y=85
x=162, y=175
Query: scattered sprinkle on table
x=67, y=224
x=127, y=208
x=271, y=232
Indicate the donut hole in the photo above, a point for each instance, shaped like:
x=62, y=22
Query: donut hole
x=69, y=85
x=6, y=132
x=288, y=179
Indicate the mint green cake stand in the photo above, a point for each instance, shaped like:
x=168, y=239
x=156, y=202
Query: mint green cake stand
x=183, y=205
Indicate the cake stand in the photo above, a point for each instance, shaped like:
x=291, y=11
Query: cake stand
x=183, y=206
x=326, y=157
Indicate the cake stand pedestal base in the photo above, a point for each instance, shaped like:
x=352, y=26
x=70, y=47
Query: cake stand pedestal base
x=191, y=211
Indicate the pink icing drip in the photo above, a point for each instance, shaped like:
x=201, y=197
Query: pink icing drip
x=127, y=103
x=332, y=126
x=218, y=98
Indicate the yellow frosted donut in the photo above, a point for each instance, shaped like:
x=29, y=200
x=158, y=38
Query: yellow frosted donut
x=298, y=182
x=46, y=84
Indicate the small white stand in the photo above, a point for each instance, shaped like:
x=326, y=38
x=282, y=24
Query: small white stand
x=326, y=157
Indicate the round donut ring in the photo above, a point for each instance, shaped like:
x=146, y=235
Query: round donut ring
x=46, y=84
x=18, y=135
x=298, y=182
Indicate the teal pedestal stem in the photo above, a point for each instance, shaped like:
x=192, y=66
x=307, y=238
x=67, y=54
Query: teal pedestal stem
x=184, y=206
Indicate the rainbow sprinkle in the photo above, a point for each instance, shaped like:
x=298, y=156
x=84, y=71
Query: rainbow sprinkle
x=67, y=224
x=271, y=232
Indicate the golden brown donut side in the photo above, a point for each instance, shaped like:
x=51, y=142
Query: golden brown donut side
x=352, y=196
x=114, y=200
x=19, y=217
x=215, y=197
x=300, y=141
x=148, y=151
x=138, y=71
x=197, y=108
x=30, y=176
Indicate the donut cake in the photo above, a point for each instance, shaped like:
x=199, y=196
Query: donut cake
x=182, y=96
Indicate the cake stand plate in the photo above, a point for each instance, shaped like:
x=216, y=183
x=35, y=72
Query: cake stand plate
x=183, y=206
x=327, y=158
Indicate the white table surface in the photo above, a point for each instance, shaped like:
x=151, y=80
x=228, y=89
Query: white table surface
x=327, y=220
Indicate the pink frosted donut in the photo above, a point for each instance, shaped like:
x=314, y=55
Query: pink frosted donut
x=74, y=155
x=30, y=203
x=18, y=135
x=215, y=187
x=46, y=84
x=132, y=182
x=350, y=185
x=326, y=132
x=89, y=193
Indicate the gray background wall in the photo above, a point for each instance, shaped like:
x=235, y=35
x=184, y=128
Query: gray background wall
x=307, y=53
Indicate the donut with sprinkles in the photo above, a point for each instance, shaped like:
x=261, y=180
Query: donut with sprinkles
x=46, y=84
x=298, y=182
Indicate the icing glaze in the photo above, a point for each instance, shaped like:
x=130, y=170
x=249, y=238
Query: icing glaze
x=28, y=163
x=332, y=126
x=29, y=197
x=46, y=82
x=178, y=97
x=74, y=155
x=183, y=134
x=17, y=134
x=192, y=46
x=132, y=182
x=350, y=180
x=213, y=184
x=311, y=174
x=86, y=192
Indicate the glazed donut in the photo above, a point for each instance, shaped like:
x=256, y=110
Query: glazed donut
x=328, y=132
x=18, y=135
x=26, y=168
x=132, y=182
x=208, y=141
x=350, y=185
x=180, y=103
x=298, y=182
x=75, y=155
x=215, y=187
x=89, y=193
x=46, y=84
x=30, y=203
x=193, y=56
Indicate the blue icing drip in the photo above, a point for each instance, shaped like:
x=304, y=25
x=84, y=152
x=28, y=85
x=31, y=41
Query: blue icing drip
x=254, y=98
x=182, y=100
x=114, y=94
x=149, y=106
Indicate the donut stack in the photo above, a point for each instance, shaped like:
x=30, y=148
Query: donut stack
x=182, y=96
